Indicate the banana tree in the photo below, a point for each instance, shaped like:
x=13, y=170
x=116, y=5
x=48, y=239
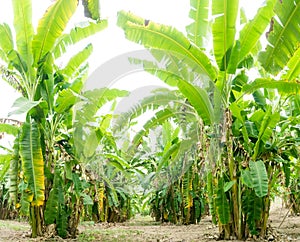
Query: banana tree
x=166, y=151
x=205, y=76
x=48, y=92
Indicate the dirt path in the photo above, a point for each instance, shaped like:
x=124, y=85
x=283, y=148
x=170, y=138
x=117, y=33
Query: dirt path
x=145, y=229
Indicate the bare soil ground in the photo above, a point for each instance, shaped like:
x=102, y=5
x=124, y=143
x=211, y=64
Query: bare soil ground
x=145, y=229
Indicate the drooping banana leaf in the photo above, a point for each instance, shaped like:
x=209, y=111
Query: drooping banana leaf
x=199, y=99
x=71, y=69
x=158, y=98
x=32, y=163
x=93, y=100
x=55, y=206
x=211, y=200
x=222, y=204
x=157, y=119
x=198, y=29
x=122, y=163
x=153, y=35
x=77, y=34
x=53, y=199
x=14, y=172
x=259, y=177
x=62, y=220
x=170, y=66
x=224, y=28
x=51, y=26
x=25, y=199
x=174, y=153
x=283, y=36
x=284, y=87
x=20, y=65
x=252, y=208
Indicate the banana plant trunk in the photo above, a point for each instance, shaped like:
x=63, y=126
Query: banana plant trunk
x=37, y=220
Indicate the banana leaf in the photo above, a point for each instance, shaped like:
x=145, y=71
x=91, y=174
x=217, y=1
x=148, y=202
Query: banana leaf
x=51, y=27
x=153, y=35
x=283, y=36
x=24, y=32
x=197, y=31
x=224, y=28
x=32, y=163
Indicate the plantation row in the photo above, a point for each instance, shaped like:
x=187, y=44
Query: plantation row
x=218, y=141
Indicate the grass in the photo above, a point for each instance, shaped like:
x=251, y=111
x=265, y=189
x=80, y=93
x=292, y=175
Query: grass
x=14, y=225
x=111, y=235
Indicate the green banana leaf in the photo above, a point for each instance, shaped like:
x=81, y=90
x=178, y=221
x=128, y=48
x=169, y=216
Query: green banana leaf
x=77, y=34
x=65, y=100
x=91, y=9
x=3, y=56
x=252, y=208
x=92, y=100
x=24, y=32
x=9, y=129
x=236, y=112
x=55, y=206
x=223, y=28
x=4, y=164
x=293, y=65
x=246, y=178
x=251, y=34
x=222, y=204
x=173, y=153
x=14, y=172
x=284, y=87
x=6, y=40
x=17, y=62
x=259, y=177
x=71, y=69
x=197, y=31
x=166, y=38
x=283, y=36
x=199, y=99
x=118, y=161
x=23, y=105
x=32, y=163
x=158, y=98
x=51, y=27
x=268, y=123
x=157, y=119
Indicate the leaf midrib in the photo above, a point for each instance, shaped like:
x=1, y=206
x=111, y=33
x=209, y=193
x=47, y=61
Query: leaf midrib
x=177, y=44
x=280, y=35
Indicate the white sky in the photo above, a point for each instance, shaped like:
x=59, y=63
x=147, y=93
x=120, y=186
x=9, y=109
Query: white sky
x=111, y=42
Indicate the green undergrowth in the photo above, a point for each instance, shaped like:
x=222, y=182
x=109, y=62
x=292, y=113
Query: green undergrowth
x=110, y=235
x=8, y=224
